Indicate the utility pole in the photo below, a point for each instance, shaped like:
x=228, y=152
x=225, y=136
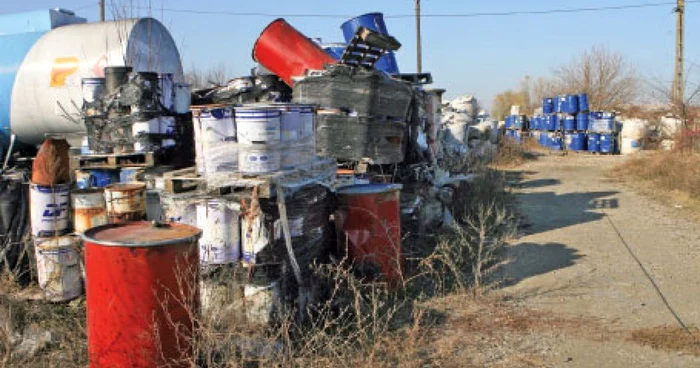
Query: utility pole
x=102, y=10
x=678, y=81
x=419, y=56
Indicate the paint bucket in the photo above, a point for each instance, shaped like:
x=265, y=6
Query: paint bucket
x=369, y=228
x=221, y=234
x=307, y=116
x=178, y=208
x=142, y=295
x=142, y=132
x=286, y=52
x=254, y=159
x=373, y=22
x=49, y=207
x=214, y=135
x=58, y=267
x=166, y=92
x=88, y=209
x=258, y=125
x=93, y=89
x=290, y=122
x=125, y=202
x=182, y=98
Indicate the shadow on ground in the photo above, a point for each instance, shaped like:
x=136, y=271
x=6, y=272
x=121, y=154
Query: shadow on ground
x=529, y=259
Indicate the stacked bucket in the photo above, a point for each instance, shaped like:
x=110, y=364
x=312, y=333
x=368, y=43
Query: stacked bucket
x=602, y=132
x=546, y=127
x=515, y=125
x=573, y=114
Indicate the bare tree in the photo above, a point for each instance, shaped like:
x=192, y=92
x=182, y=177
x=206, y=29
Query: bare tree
x=214, y=76
x=608, y=79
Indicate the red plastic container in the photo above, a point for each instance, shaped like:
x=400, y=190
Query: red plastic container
x=142, y=286
x=286, y=52
x=369, y=226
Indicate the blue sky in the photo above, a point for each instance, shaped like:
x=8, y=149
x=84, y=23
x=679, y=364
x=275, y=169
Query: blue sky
x=476, y=55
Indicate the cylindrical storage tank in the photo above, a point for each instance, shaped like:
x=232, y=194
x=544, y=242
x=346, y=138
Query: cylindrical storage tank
x=49, y=78
x=335, y=50
x=607, y=143
x=49, y=207
x=547, y=105
x=571, y=104
x=125, y=202
x=221, y=236
x=593, y=142
x=88, y=209
x=582, y=121
x=142, y=294
x=368, y=226
x=569, y=123
x=583, y=102
x=58, y=267
x=214, y=139
x=373, y=22
x=288, y=53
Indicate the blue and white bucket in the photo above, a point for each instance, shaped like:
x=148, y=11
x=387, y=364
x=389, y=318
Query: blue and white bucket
x=49, y=209
x=221, y=233
x=258, y=125
x=255, y=159
x=214, y=139
x=307, y=116
x=290, y=122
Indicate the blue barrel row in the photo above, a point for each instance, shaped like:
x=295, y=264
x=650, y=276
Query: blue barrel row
x=598, y=121
x=591, y=142
x=516, y=122
x=567, y=104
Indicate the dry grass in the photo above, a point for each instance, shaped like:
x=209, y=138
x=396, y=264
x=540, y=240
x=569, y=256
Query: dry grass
x=672, y=176
x=669, y=338
x=512, y=154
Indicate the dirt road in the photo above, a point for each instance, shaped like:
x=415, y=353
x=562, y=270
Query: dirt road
x=595, y=250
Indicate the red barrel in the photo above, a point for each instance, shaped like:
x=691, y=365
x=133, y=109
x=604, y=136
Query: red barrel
x=142, y=286
x=288, y=53
x=369, y=227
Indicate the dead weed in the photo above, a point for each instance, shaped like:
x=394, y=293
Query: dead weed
x=669, y=338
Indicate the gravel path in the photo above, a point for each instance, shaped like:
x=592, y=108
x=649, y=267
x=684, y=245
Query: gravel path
x=593, y=248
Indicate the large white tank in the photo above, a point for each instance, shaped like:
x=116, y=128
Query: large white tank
x=47, y=85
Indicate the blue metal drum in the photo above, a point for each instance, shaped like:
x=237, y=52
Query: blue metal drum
x=569, y=123
x=583, y=102
x=374, y=22
x=576, y=141
x=607, y=143
x=593, y=142
x=582, y=121
x=548, y=105
x=570, y=104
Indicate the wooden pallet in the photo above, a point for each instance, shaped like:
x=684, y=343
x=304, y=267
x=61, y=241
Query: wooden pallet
x=113, y=160
x=180, y=181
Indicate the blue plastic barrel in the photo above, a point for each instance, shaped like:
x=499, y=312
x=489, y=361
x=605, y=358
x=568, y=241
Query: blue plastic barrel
x=607, y=143
x=508, y=121
x=576, y=141
x=593, y=142
x=560, y=104
x=569, y=123
x=548, y=105
x=582, y=121
x=519, y=121
x=553, y=142
x=570, y=104
x=374, y=22
x=552, y=122
x=101, y=178
x=583, y=102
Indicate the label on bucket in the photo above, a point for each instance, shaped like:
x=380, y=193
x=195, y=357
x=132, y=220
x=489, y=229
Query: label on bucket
x=258, y=161
x=49, y=209
x=258, y=126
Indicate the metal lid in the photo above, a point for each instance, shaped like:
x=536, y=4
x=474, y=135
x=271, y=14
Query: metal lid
x=141, y=234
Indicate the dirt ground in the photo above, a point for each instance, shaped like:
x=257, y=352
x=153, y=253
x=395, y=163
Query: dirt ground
x=615, y=273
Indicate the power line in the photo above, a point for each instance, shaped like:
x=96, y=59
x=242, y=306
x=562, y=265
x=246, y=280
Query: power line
x=465, y=15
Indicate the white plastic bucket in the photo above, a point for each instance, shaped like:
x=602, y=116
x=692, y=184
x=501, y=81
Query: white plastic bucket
x=182, y=98
x=92, y=89
x=125, y=201
x=215, y=134
x=142, y=130
x=165, y=90
x=258, y=159
x=58, y=267
x=290, y=122
x=88, y=209
x=258, y=125
x=49, y=207
x=307, y=118
x=221, y=235
x=261, y=302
